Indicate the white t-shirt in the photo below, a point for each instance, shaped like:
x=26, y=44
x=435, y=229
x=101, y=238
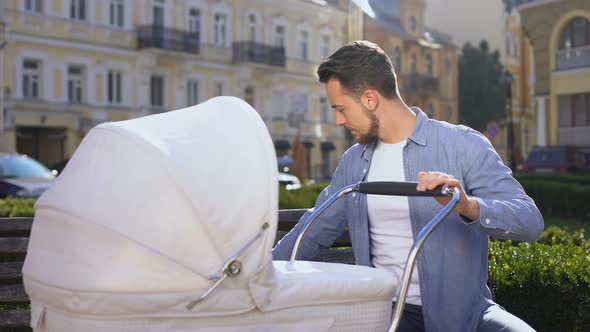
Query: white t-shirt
x=390, y=229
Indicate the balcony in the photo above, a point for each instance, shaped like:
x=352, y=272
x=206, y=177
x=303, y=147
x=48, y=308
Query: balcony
x=248, y=51
x=571, y=58
x=419, y=84
x=155, y=36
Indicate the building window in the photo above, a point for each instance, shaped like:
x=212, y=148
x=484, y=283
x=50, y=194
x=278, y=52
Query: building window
x=192, y=93
x=516, y=46
x=574, y=110
x=397, y=59
x=280, y=35
x=303, y=45
x=325, y=114
x=252, y=27
x=219, y=89
x=326, y=163
x=31, y=74
x=413, y=23
x=194, y=23
x=114, y=87
x=508, y=45
x=78, y=10
x=34, y=6
x=430, y=111
x=448, y=114
x=326, y=46
x=575, y=34
x=157, y=91
x=220, y=29
x=249, y=95
x=447, y=67
x=75, y=84
x=515, y=87
x=414, y=64
x=117, y=13
x=158, y=13
x=448, y=77
x=428, y=61
x=278, y=105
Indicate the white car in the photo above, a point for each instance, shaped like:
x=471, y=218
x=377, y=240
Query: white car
x=23, y=177
x=289, y=181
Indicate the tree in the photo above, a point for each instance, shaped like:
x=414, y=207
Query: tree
x=482, y=86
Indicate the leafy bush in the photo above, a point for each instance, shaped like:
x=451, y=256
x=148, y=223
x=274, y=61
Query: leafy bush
x=17, y=207
x=554, y=235
x=304, y=197
x=548, y=286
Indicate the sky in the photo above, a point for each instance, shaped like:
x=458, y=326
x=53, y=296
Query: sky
x=468, y=21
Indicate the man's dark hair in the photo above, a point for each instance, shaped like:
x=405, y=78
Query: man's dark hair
x=358, y=66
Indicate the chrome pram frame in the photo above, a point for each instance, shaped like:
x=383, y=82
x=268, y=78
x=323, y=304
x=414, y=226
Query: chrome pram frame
x=392, y=189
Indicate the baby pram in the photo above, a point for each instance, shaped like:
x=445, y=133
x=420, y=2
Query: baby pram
x=166, y=223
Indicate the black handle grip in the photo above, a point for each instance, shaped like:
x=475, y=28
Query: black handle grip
x=398, y=189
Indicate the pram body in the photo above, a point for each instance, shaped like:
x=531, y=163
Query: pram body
x=148, y=214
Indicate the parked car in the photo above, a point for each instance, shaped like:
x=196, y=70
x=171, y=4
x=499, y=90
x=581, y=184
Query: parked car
x=289, y=181
x=555, y=159
x=21, y=176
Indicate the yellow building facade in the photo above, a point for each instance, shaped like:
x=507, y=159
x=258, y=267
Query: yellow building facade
x=518, y=61
x=69, y=65
x=425, y=59
x=559, y=32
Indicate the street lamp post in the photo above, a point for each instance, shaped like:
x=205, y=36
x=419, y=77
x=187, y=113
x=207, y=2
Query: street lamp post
x=510, y=139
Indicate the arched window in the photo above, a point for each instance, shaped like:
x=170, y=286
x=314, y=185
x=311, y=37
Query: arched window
x=575, y=34
x=428, y=64
x=573, y=41
x=414, y=64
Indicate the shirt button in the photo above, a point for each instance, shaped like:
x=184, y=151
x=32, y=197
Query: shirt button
x=488, y=221
x=353, y=194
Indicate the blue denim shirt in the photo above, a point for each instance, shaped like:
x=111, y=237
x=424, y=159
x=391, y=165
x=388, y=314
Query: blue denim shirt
x=453, y=263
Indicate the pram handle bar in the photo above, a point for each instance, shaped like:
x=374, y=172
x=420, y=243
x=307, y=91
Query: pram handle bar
x=394, y=189
x=413, y=255
x=376, y=188
x=399, y=189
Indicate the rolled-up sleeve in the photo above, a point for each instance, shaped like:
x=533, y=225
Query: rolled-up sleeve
x=506, y=211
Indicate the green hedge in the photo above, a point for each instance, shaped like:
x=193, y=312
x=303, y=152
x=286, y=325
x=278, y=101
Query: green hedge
x=545, y=283
x=548, y=286
x=559, y=198
x=562, y=195
x=300, y=198
x=16, y=207
x=556, y=177
x=554, y=235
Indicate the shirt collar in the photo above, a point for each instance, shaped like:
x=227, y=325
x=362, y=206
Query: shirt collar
x=418, y=135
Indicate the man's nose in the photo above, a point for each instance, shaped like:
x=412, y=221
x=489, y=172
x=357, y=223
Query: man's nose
x=340, y=119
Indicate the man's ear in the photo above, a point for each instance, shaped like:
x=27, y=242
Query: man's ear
x=370, y=99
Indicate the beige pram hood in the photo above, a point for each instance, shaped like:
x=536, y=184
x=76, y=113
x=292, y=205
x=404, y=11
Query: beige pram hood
x=149, y=210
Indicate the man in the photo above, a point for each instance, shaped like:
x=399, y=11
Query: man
x=448, y=291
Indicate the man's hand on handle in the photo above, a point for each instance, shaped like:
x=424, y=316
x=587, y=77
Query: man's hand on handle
x=467, y=206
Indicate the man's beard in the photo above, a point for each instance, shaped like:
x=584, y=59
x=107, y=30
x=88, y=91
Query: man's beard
x=373, y=133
